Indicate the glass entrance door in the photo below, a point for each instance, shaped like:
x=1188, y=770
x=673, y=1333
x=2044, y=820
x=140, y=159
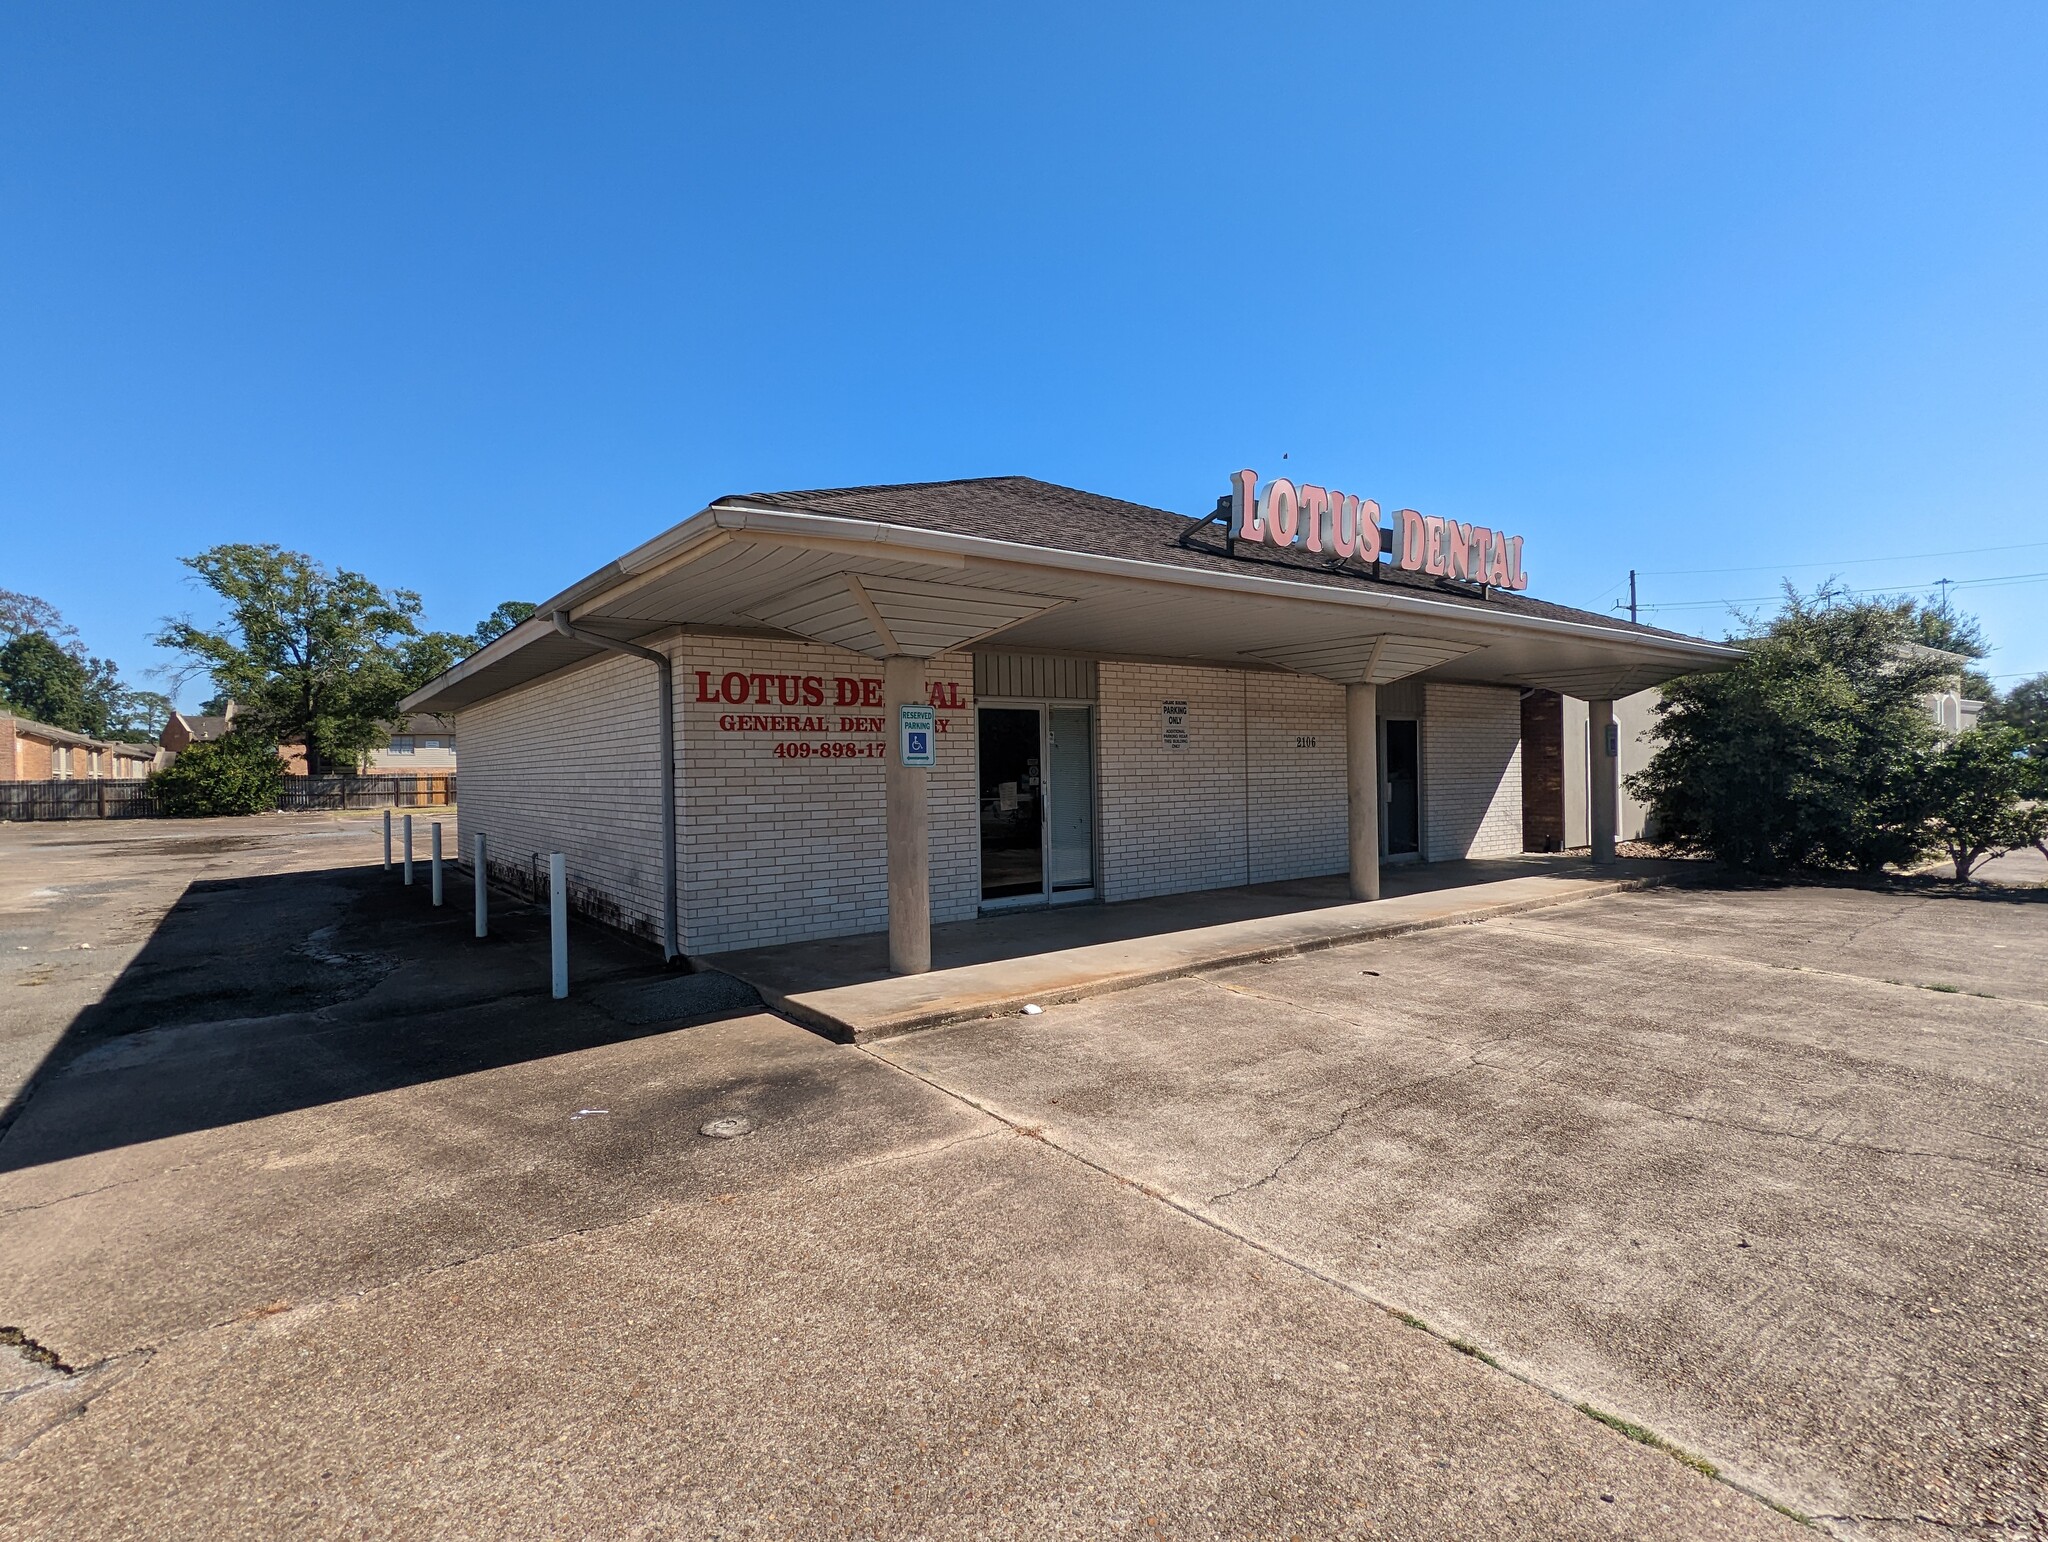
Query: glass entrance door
x=1070, y=841
x=1037, y=784
x=1012, y=803
x=1401, y=755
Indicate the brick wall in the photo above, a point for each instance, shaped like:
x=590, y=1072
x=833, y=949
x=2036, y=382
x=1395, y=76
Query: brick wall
x=1300, y=822
x=784, y=848
x=773, y=847
x=32, y=761
x=569, y=764
x=1471, y=771
x=1171, y=819
x=791, y=845
x=1543, y=771
x=1175, y=820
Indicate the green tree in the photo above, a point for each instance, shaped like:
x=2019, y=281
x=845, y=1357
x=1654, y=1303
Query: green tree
x=1808, y=753
x=435, y=653
x=500, y=621
x=40, y=680
x=22, y=613
x=1976, y=784
x=312, y=654
x=2025, y=707
x=239, y=773
x=46, y=675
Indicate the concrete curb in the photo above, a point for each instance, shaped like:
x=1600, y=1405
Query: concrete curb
x=836, y=1011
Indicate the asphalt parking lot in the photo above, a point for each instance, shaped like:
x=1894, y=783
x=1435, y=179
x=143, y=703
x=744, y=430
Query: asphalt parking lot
x=335, y=1224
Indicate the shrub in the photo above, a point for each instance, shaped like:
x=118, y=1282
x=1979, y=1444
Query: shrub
x=237, y=774
x=1976, y=784
x=1811, y=752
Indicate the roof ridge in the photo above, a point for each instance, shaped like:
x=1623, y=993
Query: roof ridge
x=879, y=487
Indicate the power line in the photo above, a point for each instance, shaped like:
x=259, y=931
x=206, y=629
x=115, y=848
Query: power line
x=1846, y=562
x=1953, y=583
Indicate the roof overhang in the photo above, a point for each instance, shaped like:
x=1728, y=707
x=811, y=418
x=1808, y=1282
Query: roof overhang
x=753, y=570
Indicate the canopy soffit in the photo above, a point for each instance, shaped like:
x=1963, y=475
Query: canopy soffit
x=882, y=590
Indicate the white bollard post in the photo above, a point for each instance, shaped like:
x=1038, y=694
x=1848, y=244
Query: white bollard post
x=387, y=840
x=408, y=848
x=483, y=904
x=437, y=861
x=558, y=921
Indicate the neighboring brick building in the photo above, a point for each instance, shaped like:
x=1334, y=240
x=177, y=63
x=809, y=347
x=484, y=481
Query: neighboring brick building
x=1123, y=704
x=181, y=732
x=36, y=752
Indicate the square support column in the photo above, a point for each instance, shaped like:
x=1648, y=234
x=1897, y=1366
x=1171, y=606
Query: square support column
x=1362, y=786
x=1603, y=770
x=908, y=828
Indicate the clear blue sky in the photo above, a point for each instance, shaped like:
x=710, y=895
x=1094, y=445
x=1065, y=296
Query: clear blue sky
x=475, y=298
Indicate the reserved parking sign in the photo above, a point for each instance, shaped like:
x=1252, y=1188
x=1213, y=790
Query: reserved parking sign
x=916, y=725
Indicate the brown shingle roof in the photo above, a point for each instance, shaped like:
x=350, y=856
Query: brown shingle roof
x=1034, y=513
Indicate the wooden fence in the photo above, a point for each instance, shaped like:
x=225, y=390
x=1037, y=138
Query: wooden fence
x=100, y=798
x=106, y=798
x=407, y=789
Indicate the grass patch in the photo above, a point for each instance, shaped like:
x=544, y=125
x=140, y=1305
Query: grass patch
x=1947, y=990
x=1474, y=1351
x=1788, y=1512
x=1410, y=1319
x=1636, y=1432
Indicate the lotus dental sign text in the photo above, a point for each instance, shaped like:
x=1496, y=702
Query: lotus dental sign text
x=1316, y=519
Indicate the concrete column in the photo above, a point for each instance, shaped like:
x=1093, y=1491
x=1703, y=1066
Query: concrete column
x=1362, y=782
x=909, y=828
x=1603, y=768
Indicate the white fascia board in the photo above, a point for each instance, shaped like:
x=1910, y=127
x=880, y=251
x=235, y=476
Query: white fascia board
x=740, y=516
x=671, y=542
x=736, y=515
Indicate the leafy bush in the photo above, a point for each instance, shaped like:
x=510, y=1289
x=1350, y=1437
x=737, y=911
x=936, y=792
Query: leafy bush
x=237, y=774
x=1811, y=752
x=1975, y=786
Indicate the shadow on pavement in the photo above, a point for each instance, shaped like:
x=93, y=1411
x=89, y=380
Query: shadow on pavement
x=266, y=994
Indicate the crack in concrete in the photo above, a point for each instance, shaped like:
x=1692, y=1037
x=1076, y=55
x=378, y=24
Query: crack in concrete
x=1200, y=1215
x=1344, y=1116
x=1838, y=1142
x=1476, y=1060
x=36, y=1352
x=2003, y=1527
x=1742, y=961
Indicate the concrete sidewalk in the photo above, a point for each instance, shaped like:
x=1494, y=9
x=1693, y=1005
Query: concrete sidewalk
x=997, y=964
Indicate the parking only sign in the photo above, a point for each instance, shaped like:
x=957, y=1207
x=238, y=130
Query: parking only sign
x=917, y=725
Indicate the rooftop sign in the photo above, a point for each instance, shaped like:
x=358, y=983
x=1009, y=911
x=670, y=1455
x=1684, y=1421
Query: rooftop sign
x=1317, y=519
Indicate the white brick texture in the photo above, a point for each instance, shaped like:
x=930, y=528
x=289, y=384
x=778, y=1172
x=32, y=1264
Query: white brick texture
x=782, y=817
x=570, y=764
x=1471, y=771
x=789, y=846
x=1180, y=819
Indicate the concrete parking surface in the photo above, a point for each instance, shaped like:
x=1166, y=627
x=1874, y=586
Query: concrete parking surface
x=335, y=1224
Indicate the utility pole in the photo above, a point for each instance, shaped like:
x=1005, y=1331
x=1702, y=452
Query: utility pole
x=1942, y=584
x=1632, y=595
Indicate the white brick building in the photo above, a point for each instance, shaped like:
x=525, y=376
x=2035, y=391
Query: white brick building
x=1121, y=705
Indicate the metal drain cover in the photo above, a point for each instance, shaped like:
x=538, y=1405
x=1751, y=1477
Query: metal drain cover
x=731, y=1127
